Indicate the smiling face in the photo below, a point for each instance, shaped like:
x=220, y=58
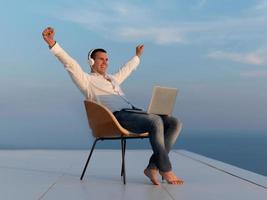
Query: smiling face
x=101, y=62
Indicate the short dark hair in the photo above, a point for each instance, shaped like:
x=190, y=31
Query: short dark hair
x=95, y=51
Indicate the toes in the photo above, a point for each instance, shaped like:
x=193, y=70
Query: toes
x=171, y=178
x=152, y=175
x=178, y=182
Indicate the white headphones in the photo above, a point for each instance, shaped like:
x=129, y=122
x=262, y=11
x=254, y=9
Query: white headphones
x=90, y=59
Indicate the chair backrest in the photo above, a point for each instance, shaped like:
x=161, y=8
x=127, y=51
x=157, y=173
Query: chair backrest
x=102, y=121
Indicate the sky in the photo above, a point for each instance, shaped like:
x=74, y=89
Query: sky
x=213, y=51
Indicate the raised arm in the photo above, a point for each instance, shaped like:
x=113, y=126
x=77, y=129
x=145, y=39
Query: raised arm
x=78, y=76
x=130, y=66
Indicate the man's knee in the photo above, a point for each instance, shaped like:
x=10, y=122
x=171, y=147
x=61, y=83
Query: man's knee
x=155, y=121
x=174, y=123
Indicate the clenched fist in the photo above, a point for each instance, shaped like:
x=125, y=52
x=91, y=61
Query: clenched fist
x=48, y=35
x=139, y=50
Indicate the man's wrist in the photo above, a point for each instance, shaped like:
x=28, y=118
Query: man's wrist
x=51, y=44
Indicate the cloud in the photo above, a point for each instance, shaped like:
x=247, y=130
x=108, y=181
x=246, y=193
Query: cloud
x=254, y=73
x=122, y=21
x=246, y=58
x=200, y=4
x=126, y=21
x=159, y=36
x=261, y=6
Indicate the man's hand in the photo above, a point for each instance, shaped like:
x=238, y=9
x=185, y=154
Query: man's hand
x=139, y=50
x=48, y=35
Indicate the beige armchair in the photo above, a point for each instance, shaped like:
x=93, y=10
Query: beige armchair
x=105, y=126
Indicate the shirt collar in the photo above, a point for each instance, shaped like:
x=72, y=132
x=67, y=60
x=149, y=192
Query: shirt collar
x=100, y=75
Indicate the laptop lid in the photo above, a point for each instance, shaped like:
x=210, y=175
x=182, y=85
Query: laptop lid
x=162, y=101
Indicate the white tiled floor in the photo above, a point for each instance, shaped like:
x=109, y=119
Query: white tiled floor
x=51, y=174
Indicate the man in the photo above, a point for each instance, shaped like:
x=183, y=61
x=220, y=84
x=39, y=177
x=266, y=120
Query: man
x=105, y=89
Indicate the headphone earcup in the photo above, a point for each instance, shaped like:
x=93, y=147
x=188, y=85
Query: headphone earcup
x=91, y=61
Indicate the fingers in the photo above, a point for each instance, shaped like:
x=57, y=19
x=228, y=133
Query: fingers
x=48, y=32
x=139, y=49
x=48, y=36
x=140, y=46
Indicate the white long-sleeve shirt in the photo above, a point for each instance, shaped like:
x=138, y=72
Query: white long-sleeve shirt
x=95, y=86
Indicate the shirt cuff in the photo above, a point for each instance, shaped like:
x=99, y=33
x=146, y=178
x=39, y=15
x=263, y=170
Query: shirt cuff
x=55, y=48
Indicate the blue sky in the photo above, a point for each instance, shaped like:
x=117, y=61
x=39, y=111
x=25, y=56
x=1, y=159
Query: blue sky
x=214, y=51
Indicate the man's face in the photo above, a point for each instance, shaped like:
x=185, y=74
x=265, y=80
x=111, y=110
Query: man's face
x=101, y=62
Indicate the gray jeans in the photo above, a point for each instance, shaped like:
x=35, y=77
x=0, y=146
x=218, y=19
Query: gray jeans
x=163, y=132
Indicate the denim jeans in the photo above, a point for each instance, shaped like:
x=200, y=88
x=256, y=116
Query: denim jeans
x=163, y=132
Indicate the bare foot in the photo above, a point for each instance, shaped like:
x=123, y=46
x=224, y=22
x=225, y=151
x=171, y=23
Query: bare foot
x=171, y=178
x=152, y=174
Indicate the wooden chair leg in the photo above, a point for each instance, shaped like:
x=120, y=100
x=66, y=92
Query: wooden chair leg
x=91, y=152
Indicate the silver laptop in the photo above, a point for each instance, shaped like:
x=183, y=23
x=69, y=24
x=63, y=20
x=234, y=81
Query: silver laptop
x=162, y=101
